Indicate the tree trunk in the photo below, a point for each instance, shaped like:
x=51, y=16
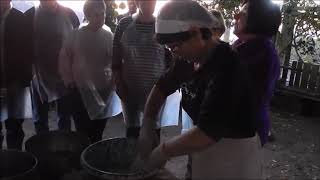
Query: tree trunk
x=284, y=39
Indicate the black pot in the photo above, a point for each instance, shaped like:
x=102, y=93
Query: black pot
x=17, y=165
x=58, y=152
x=112, y=159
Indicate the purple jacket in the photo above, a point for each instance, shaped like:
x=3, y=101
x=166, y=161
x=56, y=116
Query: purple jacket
x=264, y=68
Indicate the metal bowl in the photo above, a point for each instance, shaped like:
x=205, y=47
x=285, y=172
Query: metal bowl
x=17, y=165
x=58, y=152
x=112, y=159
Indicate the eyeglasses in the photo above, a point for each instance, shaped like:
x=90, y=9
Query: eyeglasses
x=174, y=45
x=240, y=14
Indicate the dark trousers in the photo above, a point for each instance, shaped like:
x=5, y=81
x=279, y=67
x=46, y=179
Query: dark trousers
x=69, y=106
x=93, y=129
x=14, y=135
x=1, y=136
x=41, y=110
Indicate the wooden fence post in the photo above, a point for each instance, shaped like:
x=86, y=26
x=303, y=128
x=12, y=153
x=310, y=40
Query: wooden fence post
x=298, y=75
x=292, y=73
x=305, y=76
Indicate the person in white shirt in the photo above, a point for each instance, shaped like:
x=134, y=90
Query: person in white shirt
x=85, y=66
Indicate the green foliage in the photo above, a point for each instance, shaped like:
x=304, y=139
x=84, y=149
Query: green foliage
x=227, y=7
x=307, y=23
x=111, y=14
x=307, y=27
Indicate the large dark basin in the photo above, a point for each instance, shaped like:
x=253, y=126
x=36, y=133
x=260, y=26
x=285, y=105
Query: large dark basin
x=112, y=159
x=58, y=152
x=17, y=165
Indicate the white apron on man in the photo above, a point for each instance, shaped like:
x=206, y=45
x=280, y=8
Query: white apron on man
x=47, y=80
x=226, y=159
x=229, y=159
x=91, y=71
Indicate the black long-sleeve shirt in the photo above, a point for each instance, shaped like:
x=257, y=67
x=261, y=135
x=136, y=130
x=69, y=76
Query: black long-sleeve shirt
x=217, y=96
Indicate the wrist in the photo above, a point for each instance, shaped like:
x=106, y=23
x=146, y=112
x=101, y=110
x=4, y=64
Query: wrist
x=164, y=150
x=150, y=123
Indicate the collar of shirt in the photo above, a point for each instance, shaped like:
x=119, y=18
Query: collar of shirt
x=214, y=58
x=250, y=46
x=52, y=10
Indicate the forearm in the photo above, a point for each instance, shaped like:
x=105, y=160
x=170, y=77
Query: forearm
x=153, y=105
x=120, y=85
x=192, y=141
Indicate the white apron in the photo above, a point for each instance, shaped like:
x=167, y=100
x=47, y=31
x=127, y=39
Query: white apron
x=186, y=121
x=16, y=104
x=229, y=159
x=85, y=60
x=47, y=81
x=92, y=72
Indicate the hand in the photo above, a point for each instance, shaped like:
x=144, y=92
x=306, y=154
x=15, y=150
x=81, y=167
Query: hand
x=121, y=87
x=157, y=159
x=122, y=91
x=148, y=138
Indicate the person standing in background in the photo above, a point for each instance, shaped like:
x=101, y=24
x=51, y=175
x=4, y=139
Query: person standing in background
x=138, y=61
x=255, y=25
x=47, y=27
x=15, y=74
x=85, y=65
x=132, y=9
x=220, y=27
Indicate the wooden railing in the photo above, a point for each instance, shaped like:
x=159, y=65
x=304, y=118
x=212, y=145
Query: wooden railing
x=300, y=79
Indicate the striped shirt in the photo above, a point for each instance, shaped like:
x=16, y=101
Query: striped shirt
x=141, y=59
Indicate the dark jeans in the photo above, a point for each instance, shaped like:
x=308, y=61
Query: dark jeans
x=1, y=136
x=14, y=135
x=41, y=110
x=69, y=106
x=91, y=128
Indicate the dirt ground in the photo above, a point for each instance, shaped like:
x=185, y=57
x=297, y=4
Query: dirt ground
x=294, y=155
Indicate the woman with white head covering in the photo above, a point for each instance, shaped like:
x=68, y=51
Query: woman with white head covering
x=216, y=95
x=85, y=62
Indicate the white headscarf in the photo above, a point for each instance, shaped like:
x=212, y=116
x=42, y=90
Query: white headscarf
x=178, y=16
